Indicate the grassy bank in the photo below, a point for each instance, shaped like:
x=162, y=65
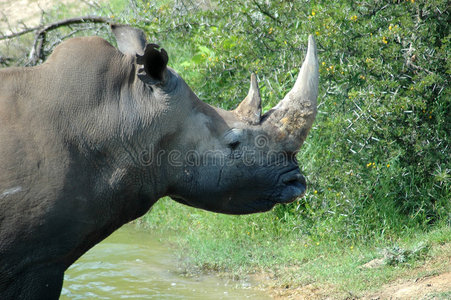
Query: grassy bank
x=377, y=161
x=282, y=256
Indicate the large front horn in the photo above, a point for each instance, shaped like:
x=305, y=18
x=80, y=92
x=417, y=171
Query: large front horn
x=293, y=117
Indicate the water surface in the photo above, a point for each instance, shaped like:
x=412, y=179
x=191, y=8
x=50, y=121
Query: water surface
x=134, y=264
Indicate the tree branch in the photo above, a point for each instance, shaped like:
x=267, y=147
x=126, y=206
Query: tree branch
x=43, y=29
x=16, y=34
x=48, y=27
x=265, y=12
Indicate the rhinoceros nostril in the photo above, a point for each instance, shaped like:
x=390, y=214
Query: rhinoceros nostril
x=293, y=178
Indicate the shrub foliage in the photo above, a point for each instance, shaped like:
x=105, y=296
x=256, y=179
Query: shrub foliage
x=378, y=157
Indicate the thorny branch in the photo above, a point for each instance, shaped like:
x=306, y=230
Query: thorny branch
x=265, y=12
x=43, y=29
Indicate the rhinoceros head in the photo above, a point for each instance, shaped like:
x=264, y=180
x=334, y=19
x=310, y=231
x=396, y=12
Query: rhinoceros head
x=232, y=162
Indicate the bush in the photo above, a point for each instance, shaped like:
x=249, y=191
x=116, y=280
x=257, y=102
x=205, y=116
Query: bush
x=378, y=158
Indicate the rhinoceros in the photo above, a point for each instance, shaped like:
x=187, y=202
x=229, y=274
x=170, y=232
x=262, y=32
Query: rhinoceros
x=94, y=136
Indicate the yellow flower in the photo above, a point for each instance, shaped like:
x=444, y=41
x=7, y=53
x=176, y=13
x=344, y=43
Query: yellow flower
x=317, y=32
x=323, y=63
x=353, y=18
x=315, y=192
x=388, y=165
x=390, y=27
x=317, y=243
x=313, y=13
x=384, y=40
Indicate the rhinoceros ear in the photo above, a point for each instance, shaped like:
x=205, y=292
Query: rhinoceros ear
x=154, y=62
x=130, y=40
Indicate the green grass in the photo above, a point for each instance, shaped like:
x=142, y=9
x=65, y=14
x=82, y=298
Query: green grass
x=440, y=296
x=241, y=245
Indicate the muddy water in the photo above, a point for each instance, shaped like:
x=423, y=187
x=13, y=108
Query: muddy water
x=133, y=264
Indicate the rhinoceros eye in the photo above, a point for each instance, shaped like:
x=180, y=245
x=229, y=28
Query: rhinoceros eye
x=232, y=138
x=233, y=145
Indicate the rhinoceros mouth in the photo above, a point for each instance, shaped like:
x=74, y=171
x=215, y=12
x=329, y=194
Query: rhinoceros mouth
x=291, y=193
x=288, y=186
x=292, y=185
x=180, y=200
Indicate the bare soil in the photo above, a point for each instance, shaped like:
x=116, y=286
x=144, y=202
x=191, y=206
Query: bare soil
x=18, y=14
x=427, y=287
x=432, y=280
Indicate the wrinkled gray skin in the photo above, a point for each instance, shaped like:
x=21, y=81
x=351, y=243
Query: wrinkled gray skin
x=93, y=137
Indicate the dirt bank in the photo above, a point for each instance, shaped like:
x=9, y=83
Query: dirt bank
x=431, y=280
